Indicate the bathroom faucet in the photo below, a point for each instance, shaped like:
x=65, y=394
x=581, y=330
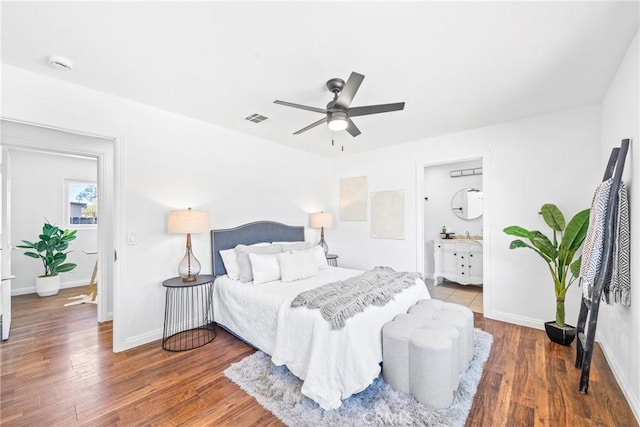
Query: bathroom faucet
x=467, y=234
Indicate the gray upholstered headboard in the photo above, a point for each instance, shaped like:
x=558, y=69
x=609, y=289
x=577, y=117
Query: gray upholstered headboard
x=248, y=234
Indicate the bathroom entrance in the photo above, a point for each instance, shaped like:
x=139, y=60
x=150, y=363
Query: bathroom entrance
x=453, y=232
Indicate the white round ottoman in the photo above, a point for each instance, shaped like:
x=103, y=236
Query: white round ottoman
x=431, y=366
x=425, y=350
x=453, y=318
x=466, y=314
x=435, y=309
x=427, y=307
x=395, y=351
x=450, y=332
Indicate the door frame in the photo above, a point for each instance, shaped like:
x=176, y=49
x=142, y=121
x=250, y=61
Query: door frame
x=108, y=154
x=421, y=165
x=5, y=245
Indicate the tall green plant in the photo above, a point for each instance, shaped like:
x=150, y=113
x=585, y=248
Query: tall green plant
x=558, y=252
x=51, y=249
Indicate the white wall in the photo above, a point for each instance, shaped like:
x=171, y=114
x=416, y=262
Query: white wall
x=618, y=326
x=172, y=162
x=37, y=187
x=553, y=158
x=440, y=187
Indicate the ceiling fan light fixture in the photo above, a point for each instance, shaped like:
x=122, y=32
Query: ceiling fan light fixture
x=338, y=121
x=338, y=113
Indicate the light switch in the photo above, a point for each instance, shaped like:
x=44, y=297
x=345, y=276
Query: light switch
x=131, y=238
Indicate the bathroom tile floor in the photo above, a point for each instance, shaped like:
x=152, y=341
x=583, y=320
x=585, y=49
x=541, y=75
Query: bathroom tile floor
x=467, y=295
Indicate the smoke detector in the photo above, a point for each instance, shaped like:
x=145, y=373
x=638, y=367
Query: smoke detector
x=60, y=63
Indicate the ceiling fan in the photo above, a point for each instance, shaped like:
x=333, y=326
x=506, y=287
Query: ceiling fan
x=338, y=114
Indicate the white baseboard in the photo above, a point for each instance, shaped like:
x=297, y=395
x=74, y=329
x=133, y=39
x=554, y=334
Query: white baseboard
x=632, y=399
x=23, y=291
x=65, y=285
x=517, y=320
x=141, y=339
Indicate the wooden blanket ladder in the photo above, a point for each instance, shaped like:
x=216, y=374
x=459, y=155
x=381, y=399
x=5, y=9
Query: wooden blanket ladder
x=589, y=307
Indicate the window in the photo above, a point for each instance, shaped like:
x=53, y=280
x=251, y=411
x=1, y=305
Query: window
x=81, y=204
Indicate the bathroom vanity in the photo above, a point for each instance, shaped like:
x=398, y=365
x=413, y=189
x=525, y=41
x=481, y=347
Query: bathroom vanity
x=458, y=260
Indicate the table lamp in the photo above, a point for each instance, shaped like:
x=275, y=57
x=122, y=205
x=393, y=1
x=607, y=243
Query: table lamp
x=321, y=220
x=188, y=222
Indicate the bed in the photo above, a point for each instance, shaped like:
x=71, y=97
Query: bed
x=333, y=363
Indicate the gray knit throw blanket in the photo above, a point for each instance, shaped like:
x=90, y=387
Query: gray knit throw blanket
x=339, y=301
x=616, y=287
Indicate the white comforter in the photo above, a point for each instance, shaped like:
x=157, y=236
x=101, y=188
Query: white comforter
x=334, y=364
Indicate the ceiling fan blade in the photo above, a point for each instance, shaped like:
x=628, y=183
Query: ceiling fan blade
x=375, y=109
x=303, y=107
x=312, y=125
x=352, y=128
x=349, y=90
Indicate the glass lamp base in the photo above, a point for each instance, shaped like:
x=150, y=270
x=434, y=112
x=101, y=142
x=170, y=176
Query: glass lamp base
x=324, y=245
x=189, y=267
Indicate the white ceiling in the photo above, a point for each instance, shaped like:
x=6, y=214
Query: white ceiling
x=457, y=65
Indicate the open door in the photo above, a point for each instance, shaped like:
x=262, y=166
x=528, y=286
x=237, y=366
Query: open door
x=5, y=244
x=19, y=135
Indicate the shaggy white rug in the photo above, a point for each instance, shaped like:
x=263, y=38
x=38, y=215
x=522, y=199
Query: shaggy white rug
x=278, y=390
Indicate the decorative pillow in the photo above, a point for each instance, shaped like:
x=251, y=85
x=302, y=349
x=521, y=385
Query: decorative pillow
x=297, y=265
x=319, y=256
x=230, y=261
x=264, y=267
x=293, y=246
x=244, y=262
x=317, y=253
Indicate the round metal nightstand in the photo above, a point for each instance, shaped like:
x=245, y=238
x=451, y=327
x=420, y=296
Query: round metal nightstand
x=188, y=313
x=332, y=259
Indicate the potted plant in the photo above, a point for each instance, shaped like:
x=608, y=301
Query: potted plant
x=51, y=250
x=558, y=252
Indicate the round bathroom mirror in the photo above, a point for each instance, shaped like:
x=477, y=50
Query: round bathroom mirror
x=467, y=203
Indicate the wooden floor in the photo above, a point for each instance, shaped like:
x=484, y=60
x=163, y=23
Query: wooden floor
x=58, y=370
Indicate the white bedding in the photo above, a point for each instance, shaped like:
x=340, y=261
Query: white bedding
x=334, y=364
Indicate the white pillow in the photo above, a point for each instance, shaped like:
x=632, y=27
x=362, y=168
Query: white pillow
x=319, y=256
x=293, y=246
x=297, y=265
x=230, y=261
x=265, y=268
x=244, y=262
x=317, y=253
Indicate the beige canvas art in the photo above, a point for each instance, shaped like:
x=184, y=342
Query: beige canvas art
x=353, y=199
x=387, y=214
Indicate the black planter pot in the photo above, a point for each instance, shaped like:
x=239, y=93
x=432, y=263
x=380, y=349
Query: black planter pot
x=563, y=336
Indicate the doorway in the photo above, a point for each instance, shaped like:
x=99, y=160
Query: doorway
x=67, y=198
x=453, y=231
x=20, y=137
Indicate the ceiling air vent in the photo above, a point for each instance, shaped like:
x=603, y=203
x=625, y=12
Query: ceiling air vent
x=256, y=118
x=60, y=63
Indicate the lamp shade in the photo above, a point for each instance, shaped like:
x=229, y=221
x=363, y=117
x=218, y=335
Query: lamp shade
x=188, y=221
x=321, y=219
